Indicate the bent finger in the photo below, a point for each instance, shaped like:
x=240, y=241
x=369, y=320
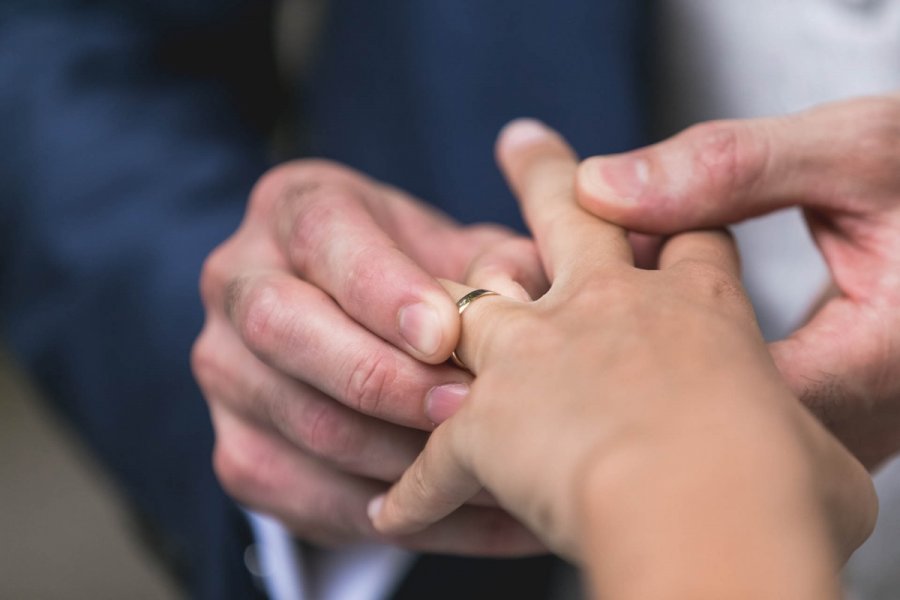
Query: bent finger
x=332, y=239
x=332, y=352
x=327, y=507
x=232, y=376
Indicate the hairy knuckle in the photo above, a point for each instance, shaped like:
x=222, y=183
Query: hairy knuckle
x=233, y=294
x=710, y=281
x=369, y=378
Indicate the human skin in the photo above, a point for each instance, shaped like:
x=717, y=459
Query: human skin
x=840, y=162
x=323, y=349
x=635, y=420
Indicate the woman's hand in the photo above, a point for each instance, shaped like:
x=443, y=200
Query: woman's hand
x=634, y=419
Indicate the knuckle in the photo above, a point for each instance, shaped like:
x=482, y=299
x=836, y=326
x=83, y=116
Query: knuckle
x=613, y=295
x=513, y=256
x=488, y=233
x=314, y=221
x=233, y=294
x=213, y=274
x=212, y=366
x=204, y=362
x=727, y=154
x=279, y=181
x=319, y=169
x=269, y=188
x=258, y=313
x=368, y=381
x=710, y=281
x=364, y=273
x=241, y=468
x=520, y=335
x=878, y=139
x=271, y=401
x=229, y=471
x=880, y=114
x=327, y=433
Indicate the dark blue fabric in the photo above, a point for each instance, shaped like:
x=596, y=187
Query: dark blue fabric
x=131, y=132
x=415, y=92
x=122, y=167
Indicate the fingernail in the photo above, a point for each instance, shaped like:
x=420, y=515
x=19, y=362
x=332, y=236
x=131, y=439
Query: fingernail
x=523, y=131
x=443, y=401
x=616, y=180
x=420, y=326
x=374, y=507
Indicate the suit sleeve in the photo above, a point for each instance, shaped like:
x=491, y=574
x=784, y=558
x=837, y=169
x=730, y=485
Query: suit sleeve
x=130, y=135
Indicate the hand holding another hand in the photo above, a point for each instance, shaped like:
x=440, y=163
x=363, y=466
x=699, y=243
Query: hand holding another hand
x=841, y=163
x=634, y=419
x=322, y=354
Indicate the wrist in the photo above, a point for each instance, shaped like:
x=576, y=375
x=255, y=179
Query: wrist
x=725, y=514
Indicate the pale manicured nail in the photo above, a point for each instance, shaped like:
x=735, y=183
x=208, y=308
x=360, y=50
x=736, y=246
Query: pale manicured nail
x=523, y=131
x=420, y=326
x=374, y=507
x=443, y=401
x=616, y=179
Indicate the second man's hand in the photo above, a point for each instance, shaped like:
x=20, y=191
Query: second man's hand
x=841, y=163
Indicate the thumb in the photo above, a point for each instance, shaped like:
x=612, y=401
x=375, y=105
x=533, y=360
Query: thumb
x=723, y=172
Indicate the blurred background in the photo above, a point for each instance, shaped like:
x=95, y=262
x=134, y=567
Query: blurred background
x=64, y=530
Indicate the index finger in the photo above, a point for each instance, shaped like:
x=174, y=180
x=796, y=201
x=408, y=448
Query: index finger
x=326, y=229
x=540, y=168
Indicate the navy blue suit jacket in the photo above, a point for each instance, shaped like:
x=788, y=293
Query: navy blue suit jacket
x=132, y=130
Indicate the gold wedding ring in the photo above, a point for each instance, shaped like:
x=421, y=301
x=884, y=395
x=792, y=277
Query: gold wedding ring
x=462, y=304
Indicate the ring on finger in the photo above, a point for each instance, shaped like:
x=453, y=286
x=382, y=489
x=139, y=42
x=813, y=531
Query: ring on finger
x=462, y=304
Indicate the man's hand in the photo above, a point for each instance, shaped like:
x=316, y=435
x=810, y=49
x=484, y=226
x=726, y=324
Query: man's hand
x=841, y=163
x=321, y=357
